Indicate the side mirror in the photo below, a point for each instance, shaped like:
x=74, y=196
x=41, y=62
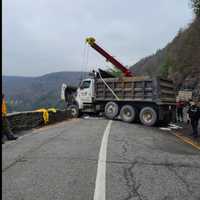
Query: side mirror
x=81, y=87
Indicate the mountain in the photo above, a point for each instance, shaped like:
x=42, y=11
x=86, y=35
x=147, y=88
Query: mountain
x=29, y=93
x=179, y=60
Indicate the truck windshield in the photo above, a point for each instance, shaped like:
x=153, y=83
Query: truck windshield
x=85, y=84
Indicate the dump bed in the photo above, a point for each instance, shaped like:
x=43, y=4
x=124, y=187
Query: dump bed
x=143, y=88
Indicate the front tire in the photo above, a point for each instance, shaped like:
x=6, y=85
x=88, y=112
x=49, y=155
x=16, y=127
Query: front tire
x=148, y=116
x=127, y=113
x=111, y=110
x=74, y=111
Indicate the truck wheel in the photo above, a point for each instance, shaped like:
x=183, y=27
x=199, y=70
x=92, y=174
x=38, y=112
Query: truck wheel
x=127, y=113
x=111, y=110
x=74, y=111
x=148, y=116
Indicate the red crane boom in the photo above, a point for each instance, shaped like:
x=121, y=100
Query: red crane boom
x=116, y=63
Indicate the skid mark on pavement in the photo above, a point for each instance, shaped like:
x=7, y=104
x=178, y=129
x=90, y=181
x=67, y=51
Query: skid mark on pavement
x=100, y=185
x=187, y=140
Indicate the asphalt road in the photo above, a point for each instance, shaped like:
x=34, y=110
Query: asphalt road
x=61, y=162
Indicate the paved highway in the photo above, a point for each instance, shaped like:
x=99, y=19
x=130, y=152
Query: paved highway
x=97, y=159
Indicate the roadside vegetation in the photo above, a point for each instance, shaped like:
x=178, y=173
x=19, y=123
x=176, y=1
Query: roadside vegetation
x=180, y=59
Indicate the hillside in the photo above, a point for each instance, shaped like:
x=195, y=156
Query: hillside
x=179, y=60
x=28, y=93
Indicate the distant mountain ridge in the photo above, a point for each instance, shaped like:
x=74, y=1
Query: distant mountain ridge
x=29, y=93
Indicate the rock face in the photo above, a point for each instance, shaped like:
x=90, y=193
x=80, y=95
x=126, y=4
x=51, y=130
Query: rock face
x=179, y=60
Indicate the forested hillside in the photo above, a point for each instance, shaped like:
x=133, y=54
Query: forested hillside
x=179, y=60
x=29, y=93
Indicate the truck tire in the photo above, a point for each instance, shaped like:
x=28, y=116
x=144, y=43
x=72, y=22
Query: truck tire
x=148, y=116
x=111, y=110
x=74, y=110
x=127, y=113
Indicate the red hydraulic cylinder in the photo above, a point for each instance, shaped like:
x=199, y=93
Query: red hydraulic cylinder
x=117, y=64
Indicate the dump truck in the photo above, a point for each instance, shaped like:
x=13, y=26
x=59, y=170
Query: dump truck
x=128, y=97
x=149, y=100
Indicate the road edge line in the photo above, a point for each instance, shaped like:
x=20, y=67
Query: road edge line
x=100, y=184
x=186, y=140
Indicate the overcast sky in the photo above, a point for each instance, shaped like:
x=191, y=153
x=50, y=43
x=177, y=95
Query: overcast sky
x=43, y=36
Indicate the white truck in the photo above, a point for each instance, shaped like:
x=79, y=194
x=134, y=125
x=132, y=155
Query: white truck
x=149, y=100
x=130, y=98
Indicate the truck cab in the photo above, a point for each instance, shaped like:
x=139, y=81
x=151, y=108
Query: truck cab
x=85, y=93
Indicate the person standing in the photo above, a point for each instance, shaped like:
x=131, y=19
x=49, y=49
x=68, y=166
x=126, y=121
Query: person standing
x=6, y=130
x=194, y=117
x=179, y=109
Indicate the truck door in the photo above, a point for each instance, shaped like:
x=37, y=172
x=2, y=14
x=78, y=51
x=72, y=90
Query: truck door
x=86, y=91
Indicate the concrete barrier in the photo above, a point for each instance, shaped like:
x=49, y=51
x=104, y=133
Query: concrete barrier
x=31, y=119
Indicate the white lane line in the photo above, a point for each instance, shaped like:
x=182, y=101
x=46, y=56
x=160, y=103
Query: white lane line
x=100, y=185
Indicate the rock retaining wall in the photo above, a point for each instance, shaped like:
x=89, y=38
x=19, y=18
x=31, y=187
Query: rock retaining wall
x=27, y=120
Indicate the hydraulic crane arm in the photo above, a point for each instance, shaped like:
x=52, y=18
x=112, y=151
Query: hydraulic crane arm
x=117, y=64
